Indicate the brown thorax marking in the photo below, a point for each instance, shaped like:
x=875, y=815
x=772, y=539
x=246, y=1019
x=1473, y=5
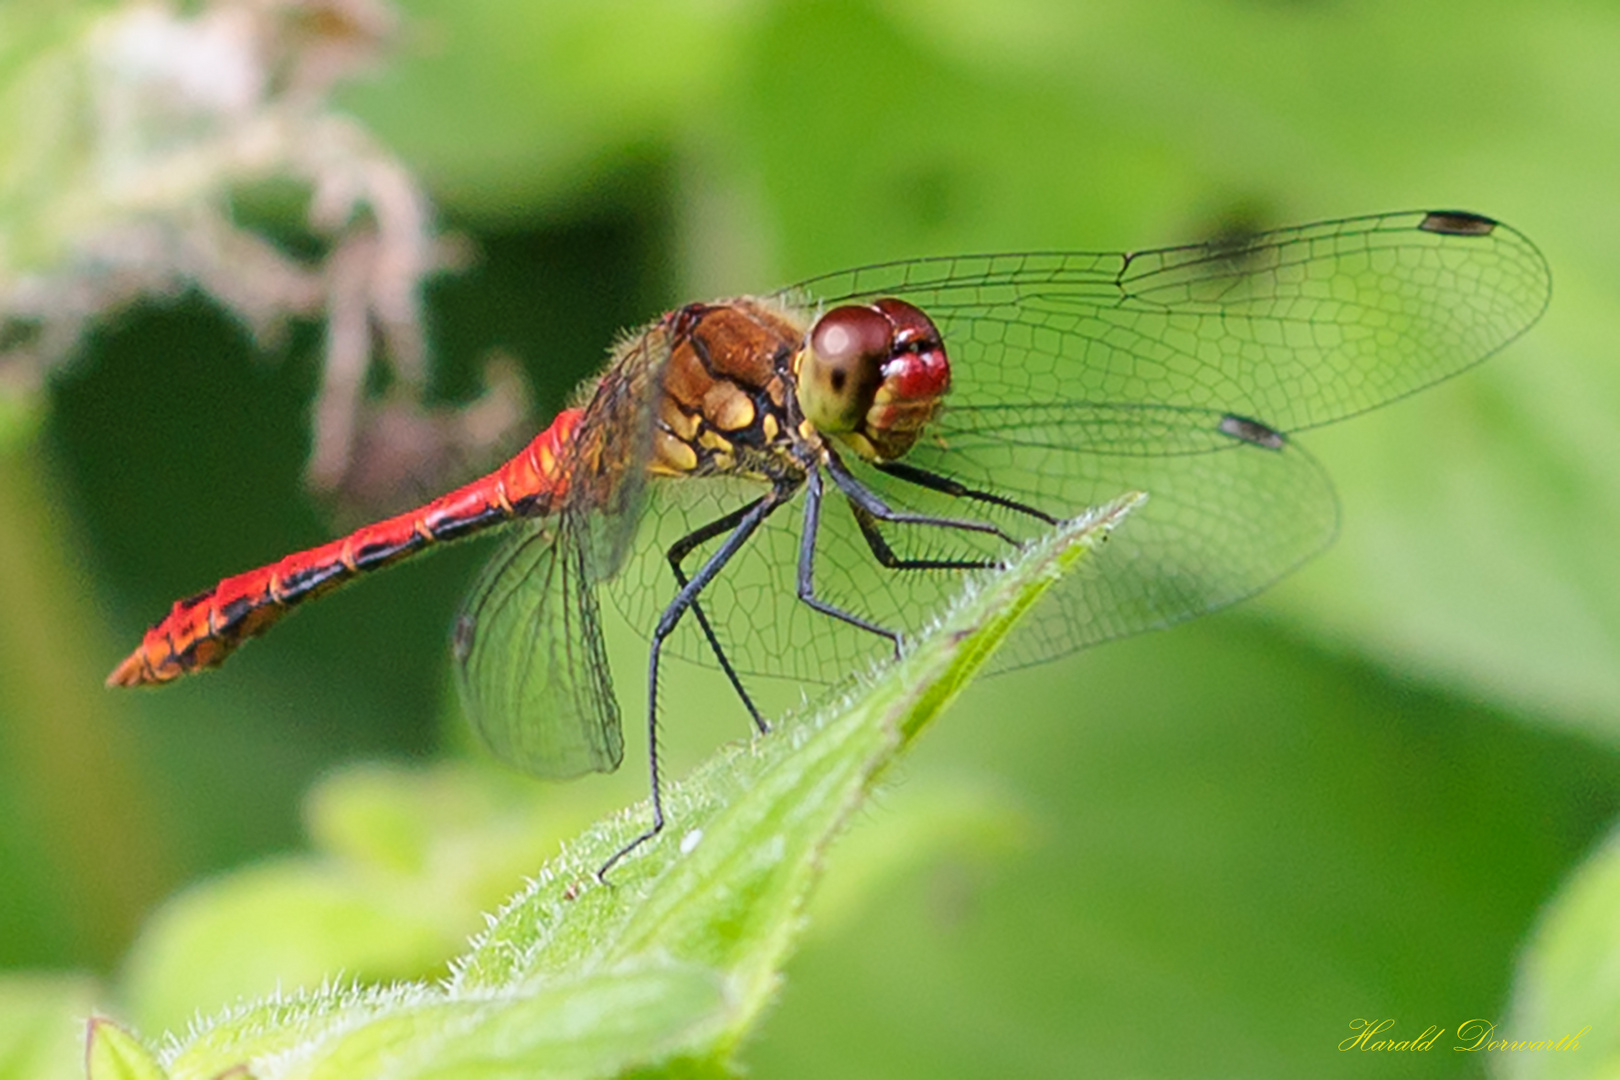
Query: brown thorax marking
x=725, y=390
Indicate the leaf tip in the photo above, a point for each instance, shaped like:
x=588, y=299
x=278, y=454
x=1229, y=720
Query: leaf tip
x=113, y=1053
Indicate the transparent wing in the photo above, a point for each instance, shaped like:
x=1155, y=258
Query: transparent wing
x=1297, y=328
x=1223, y=520
x=533, y=672
x=1077, y=377
x=528, y=645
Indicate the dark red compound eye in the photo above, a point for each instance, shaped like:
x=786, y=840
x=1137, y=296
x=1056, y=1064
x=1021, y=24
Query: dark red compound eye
x=844, y=366
x=874, y=374
x=846, y=337
x=911, y=327
x=918, y=368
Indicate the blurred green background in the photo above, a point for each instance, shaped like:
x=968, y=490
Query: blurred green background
x=1215, y=847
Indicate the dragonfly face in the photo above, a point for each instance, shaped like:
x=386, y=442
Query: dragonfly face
x=874, y=375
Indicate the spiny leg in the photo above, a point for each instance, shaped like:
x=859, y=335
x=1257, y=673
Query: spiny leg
x=747, y=523
x=869, y=509
x=878, y=544
x=864, y=498
x=958, y=490
x=807, y=569
x=677, y=554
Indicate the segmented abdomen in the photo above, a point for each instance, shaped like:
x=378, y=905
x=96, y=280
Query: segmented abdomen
x=201, y=631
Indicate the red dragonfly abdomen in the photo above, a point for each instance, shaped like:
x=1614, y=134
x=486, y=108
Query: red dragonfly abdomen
x=201, y=631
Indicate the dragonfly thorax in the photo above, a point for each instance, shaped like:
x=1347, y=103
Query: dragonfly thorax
x=726, y=400
x=872, y=376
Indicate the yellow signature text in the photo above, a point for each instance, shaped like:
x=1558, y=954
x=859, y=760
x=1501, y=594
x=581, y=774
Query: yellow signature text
x=1476, y=1035
x=1472, y=1036
x=1368, y=1032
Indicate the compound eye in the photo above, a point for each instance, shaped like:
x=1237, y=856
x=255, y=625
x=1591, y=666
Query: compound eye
x=911, y=328
x=848, y=339
x=844, y=366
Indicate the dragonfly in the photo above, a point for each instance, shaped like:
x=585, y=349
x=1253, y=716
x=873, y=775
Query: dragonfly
x=927, y=418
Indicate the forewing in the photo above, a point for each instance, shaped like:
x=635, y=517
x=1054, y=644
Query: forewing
x=1296, y=328
x=529, y=653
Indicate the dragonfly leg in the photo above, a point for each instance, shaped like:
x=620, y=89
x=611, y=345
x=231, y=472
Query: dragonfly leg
x=864, y=498
x=878, y=544
x=677, y=554
x=748, y=521
x=807, y=567
x=869, y=510
x=946, y=486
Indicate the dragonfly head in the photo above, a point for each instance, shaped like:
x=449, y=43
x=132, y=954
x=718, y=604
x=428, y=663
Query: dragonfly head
x=873, y=375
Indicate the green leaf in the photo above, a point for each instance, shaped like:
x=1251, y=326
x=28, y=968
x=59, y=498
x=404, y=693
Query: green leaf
x=405, y=860
x=669, y=965
x=115, y=1054
x=1567, y=990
